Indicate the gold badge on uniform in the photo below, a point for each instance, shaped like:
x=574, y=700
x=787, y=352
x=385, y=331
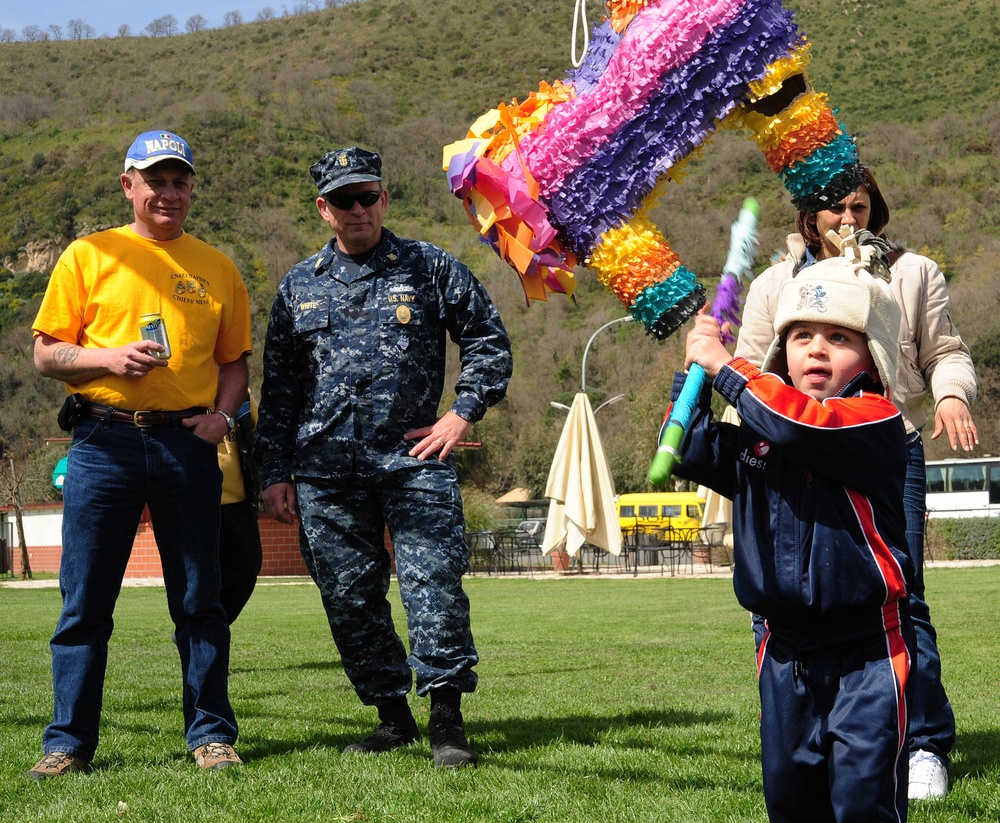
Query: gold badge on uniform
x=342, y=159
x=403, y=314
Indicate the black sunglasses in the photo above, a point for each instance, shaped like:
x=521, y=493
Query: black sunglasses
x=344, y=202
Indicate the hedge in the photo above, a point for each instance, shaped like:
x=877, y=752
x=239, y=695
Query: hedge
x=965, y=538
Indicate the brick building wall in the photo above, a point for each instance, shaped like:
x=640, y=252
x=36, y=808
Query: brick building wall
x=281, y=548
x=280, y=545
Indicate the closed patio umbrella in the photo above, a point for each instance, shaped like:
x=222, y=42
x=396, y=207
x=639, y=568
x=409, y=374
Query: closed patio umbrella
x=580, y=488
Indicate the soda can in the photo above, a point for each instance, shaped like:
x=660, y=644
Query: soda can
x=152, y=327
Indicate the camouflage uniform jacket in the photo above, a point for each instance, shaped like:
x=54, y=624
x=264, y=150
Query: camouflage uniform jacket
x=351, y=365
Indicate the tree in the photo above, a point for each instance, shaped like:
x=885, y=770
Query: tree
x=28, y=404
x=196, y=23
x=162, y=26
x=56, y=31
x=11, y=478
x=124, y=30
x=7, y=35
x=266, y=13
x=232, y=18
x=33, y=34
x=26, y=109
x=80, y=29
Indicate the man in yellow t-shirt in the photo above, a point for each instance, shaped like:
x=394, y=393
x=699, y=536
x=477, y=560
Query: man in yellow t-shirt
x=146, y=416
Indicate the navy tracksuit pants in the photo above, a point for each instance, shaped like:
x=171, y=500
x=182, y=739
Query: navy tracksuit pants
x=834, y=727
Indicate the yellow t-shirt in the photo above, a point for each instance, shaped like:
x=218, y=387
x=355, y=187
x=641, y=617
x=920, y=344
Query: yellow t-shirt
x=104, y=283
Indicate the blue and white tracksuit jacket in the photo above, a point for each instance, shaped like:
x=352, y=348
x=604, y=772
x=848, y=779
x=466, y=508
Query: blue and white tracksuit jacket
x=820, y=555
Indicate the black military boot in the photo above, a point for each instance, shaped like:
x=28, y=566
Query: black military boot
x=448, y=744
x=398, y=728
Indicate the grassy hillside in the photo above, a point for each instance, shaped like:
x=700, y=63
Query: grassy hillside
x=261, y=101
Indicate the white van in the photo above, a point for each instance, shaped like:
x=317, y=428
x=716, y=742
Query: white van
x=536, y=528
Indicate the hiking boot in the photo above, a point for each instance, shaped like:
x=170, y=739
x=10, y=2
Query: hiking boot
x=448, y=744
x=56, y=764
x=385, y=738
x=216, y=756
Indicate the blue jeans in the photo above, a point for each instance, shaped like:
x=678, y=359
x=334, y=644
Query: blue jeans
x=114, y=470
x=932, y=722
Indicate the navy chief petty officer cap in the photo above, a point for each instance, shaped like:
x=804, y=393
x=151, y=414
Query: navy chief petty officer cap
x=342, y=167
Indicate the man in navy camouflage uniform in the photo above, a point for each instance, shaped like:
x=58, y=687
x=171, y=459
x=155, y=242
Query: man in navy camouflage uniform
x=350, y=441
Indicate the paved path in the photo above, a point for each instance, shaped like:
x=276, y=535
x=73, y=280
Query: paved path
x=606, y=572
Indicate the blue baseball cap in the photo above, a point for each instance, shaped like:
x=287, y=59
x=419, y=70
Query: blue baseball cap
x=152, y=147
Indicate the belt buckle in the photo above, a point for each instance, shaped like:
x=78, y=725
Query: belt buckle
x=135, y=420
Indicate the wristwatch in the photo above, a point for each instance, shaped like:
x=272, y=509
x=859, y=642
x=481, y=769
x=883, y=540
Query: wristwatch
x=230, y=421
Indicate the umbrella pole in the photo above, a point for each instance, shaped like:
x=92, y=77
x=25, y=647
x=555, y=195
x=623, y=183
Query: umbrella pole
x=635, y=555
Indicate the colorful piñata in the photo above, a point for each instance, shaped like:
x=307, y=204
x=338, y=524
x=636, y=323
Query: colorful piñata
x=571, y=173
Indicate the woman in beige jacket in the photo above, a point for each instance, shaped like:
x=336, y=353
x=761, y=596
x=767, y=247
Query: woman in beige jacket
x=933, y=360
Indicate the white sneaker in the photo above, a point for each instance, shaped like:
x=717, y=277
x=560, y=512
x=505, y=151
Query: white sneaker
x=928, y=776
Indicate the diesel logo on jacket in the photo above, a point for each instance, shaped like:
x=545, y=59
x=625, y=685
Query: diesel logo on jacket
x=756, y=460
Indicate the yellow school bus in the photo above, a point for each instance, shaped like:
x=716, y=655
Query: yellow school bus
x=659, y=510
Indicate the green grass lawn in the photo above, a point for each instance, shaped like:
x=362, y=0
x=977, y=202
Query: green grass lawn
x=600, y=700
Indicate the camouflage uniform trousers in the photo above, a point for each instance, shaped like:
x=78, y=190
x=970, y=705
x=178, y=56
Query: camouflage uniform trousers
x=342, y=541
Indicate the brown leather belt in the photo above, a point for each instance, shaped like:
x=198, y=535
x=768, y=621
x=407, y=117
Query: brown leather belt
x=142, y=419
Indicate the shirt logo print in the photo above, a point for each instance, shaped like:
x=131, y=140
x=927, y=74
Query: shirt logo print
x=189, y=287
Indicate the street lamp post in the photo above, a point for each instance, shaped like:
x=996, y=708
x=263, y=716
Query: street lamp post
x=628, y=318
x=583, y=366
x=607, y=402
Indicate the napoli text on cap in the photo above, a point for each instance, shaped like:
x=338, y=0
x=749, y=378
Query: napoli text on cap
x=156, y=146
